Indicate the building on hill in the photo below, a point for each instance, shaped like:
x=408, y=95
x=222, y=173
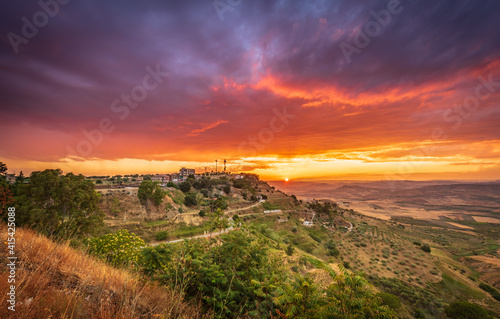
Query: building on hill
x=11, y=178
x=175, y=177
x=185, y=172
x=162, y=178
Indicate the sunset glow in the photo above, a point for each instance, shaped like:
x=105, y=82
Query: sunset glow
x=267, y=88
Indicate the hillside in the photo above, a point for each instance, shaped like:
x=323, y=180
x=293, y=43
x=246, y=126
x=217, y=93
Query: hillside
x=253, y=251
x=57, y=281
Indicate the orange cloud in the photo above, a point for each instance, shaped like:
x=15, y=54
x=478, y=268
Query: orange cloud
x=207, y=127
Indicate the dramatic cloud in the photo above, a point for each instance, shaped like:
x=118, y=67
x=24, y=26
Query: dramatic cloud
x=268, y=85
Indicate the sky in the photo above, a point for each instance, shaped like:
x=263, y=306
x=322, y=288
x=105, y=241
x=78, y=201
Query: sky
x=284, y=89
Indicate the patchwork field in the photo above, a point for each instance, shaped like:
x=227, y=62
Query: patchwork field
x=438, y=200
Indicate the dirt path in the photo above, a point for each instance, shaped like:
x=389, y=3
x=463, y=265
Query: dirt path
x=226, y=212
x=242, y=208
x=194, y=237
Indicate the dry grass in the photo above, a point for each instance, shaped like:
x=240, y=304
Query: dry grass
x=56, y=281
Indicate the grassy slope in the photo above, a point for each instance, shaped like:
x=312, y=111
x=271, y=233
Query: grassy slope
x=54, y=280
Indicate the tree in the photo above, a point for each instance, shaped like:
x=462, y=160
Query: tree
x=98, y=182
x=219, y=203
x=20, y=179
x=350, y=296
x=190, y=200
x=299, y=298
x=465, y=310
x=6, y=196
x=217, y=220
x=185, y=187
x=150, y=191
x=3, y=168
x=172, y=184
x=59, y=206
x=226, y=189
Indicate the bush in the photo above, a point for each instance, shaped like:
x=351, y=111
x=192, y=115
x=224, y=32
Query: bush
x=333, y=252
x=295, y=229
x=172, y=184
x=419, y=314
x=426, y=248
x=390, y=300
x=119, y=249
x=465, y=310
x=346, y=265
x=161, y=235
x=316, y=238
x=226, y=189
x=289, y=250
x=492, y=291
x=185, y=187
x=190, y=200
x=202, y=213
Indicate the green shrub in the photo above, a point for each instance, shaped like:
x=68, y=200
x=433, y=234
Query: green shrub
x=333, y=252
x=289, y=250
x=426, y=248
x=119, y=249
x=161, y=235
x=185, y=187
x=390, y=300
x=172, y=184
x=465, y=310
x=492, y=291
x=419, y=314
x=316, y=238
